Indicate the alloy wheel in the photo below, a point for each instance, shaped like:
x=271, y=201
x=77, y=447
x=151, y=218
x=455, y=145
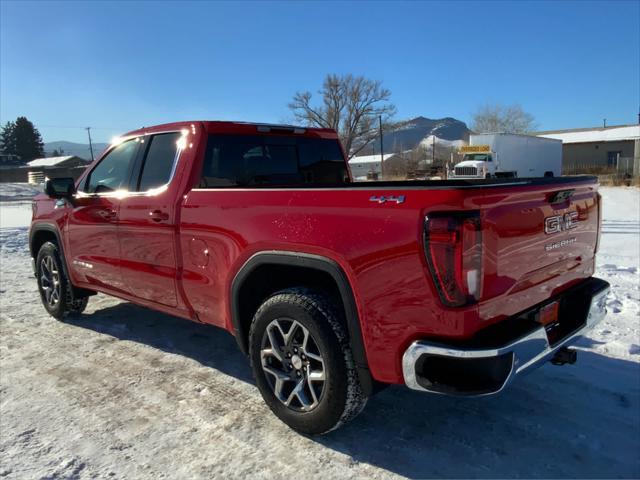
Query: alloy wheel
x=50, y=280
x=293, y=364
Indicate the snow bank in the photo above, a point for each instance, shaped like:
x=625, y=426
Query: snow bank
x=15, y=214
x=15, y=199
x=13, y=192
x=618, y=262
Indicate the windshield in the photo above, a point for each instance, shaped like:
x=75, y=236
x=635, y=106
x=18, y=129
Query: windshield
x=481, y=157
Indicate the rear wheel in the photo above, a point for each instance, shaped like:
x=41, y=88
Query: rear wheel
x=53, y=285
x=302, y=362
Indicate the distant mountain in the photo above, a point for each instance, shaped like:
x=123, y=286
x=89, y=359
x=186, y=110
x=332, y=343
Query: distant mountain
x=77, y=149
x=409, y=134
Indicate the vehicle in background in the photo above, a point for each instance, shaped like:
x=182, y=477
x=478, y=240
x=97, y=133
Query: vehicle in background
x=508, y=155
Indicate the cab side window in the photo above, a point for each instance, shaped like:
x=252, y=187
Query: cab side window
x=159, y=161
x=114, y=170
x=251, y=160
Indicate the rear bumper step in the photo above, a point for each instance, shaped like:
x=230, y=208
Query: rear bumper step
x=448, y=370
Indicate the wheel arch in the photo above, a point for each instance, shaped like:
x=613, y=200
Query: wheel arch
x=317, y=269
x=39, y=234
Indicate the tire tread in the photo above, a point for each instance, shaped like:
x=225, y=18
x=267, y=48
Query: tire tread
x=320, y=304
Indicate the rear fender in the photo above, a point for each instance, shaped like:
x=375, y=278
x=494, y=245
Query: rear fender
x=315, y=262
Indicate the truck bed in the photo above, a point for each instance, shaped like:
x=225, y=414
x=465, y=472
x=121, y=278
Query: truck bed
x=380, y=247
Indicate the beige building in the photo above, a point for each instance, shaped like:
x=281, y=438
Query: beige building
x=613, y=149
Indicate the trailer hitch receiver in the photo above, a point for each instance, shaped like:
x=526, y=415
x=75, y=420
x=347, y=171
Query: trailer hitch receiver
x=565, y=355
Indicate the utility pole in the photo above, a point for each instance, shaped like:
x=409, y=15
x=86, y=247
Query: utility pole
x=381, y=148
x=604, y=123
x=88, y=129
x=433, y=151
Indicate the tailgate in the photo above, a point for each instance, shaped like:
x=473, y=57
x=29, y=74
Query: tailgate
x=537, y=241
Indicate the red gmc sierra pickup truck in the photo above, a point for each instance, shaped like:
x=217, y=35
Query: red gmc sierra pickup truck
x=332, y=288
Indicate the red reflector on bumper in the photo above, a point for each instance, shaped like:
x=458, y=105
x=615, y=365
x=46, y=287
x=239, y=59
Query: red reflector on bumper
x=549, y=313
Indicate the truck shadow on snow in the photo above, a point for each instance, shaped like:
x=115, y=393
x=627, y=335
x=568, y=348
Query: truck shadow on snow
x=580, y=420
x=211, y=346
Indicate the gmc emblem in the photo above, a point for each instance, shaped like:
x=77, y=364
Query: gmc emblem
x=560, y=223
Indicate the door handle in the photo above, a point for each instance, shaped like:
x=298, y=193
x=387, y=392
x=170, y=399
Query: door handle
x=158, y=216
x=107, y=214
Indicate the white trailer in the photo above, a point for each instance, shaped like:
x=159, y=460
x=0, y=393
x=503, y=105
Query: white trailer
x=367, y=167
x=509, y=155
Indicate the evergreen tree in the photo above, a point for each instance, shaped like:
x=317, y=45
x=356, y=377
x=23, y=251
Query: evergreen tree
x=7, y=139
x=29, y=144
x=23, y=139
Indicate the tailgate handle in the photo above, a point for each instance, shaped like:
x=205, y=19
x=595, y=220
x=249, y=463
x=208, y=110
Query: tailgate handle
x=561, y=196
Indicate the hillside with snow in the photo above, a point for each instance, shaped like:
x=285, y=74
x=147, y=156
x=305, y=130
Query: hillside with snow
x=410, y=134
x=81, y=150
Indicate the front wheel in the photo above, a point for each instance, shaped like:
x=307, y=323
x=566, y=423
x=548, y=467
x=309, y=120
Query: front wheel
x=302, y=362
x=53, y=285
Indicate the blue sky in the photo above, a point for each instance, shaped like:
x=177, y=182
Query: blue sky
x=118, y=65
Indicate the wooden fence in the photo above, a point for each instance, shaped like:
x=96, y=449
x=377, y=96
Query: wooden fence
x=626, y=167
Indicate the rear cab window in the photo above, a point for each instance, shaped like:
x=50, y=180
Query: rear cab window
x=271, y=160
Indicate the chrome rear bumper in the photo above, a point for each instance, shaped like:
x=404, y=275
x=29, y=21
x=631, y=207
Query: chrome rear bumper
x=505, y=363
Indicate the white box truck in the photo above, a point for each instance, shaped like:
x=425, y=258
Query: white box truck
x=504, y=155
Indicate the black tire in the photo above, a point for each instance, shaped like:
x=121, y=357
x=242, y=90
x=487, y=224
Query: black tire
x=51, y=278
x=340, y=398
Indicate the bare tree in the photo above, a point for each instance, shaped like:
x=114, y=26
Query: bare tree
x=502, y=119
x=350, y=105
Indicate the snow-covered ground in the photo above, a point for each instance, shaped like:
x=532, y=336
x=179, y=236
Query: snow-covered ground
x=15, y=199
x=123, y=392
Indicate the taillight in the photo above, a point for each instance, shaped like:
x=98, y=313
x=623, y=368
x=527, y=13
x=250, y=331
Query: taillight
x=453, y=246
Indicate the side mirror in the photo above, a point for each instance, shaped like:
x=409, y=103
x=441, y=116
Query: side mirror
x=63, y=187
